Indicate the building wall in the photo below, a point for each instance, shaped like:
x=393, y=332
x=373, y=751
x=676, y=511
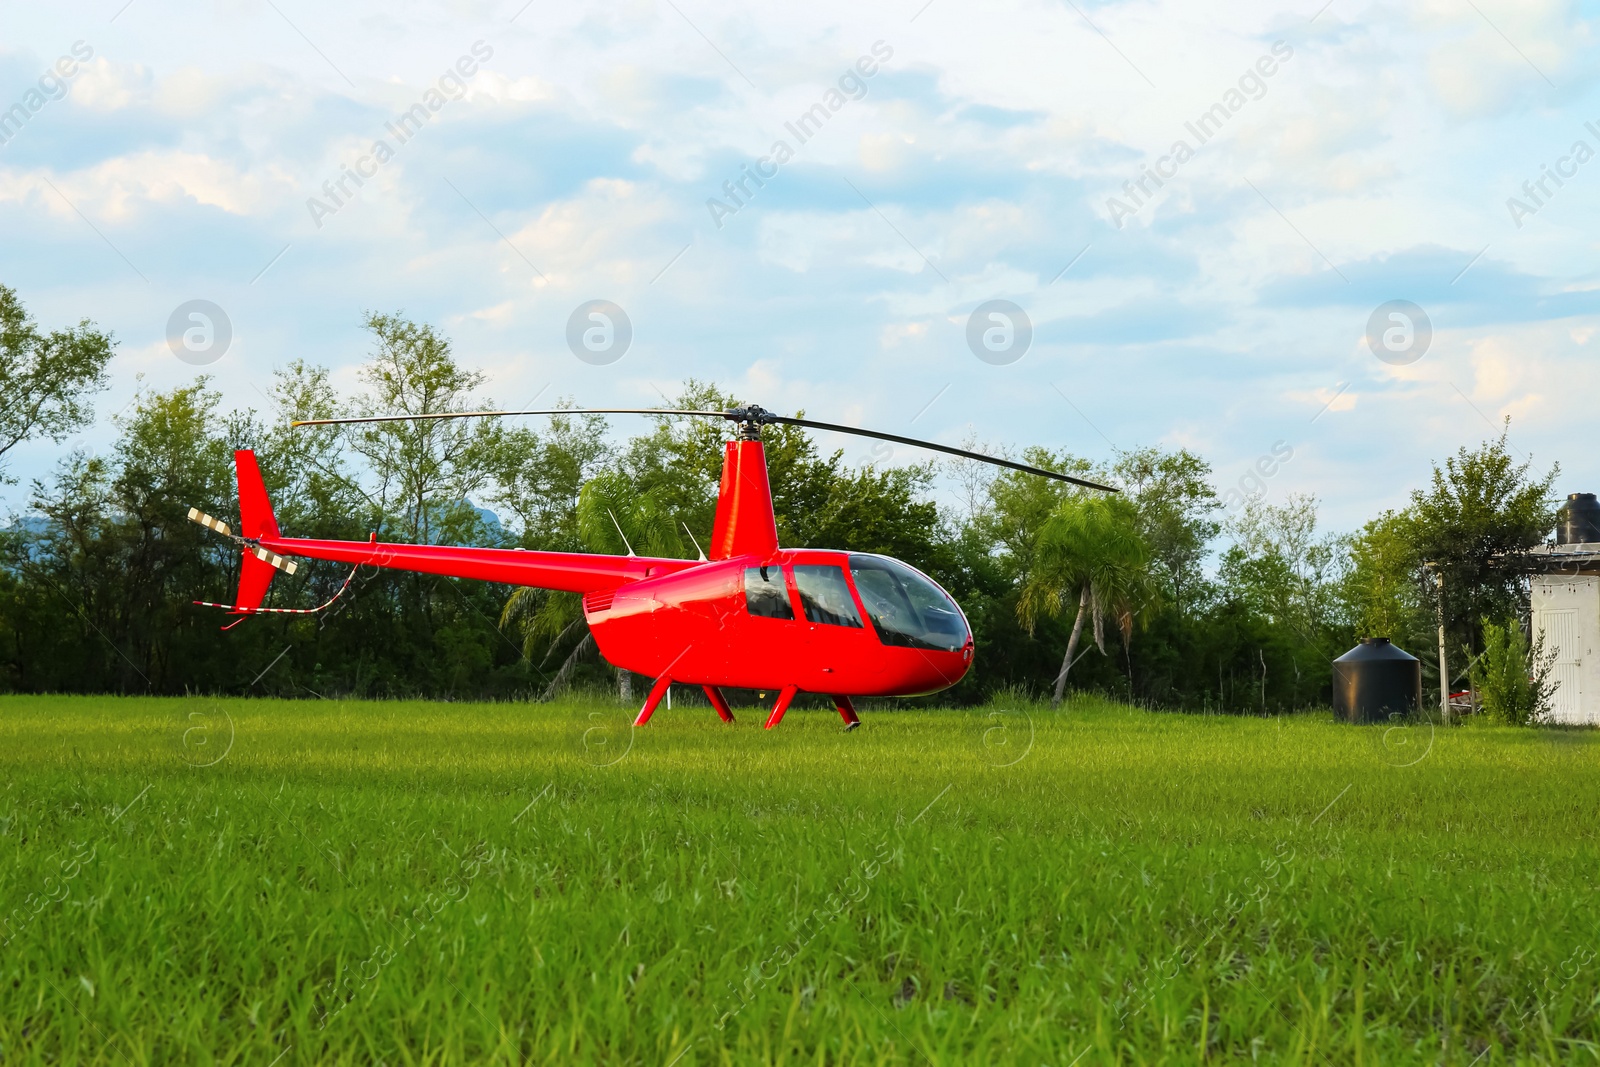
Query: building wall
x=1566, y=611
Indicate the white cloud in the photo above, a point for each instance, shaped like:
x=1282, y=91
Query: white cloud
x=117, y=188
x=1323, y=399
x=882, y=152
x=1482, y=57
x=497, y=86
x=191, y=92
x=896, y=333
x=105, y=86
x=602, y=234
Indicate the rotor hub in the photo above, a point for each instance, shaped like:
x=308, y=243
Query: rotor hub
x=750, y=419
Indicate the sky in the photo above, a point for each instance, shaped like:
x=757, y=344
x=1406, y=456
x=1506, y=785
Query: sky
x=1197, y=217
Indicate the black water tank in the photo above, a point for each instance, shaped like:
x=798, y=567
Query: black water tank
x=1375, y=680
x=1578, y=521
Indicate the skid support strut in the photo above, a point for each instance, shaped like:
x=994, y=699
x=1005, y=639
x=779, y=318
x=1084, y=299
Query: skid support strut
x=782, y=705
x=714, y=695
x=657, y=691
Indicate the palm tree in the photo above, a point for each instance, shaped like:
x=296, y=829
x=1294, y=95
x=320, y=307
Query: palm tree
x=542, y=615
x=1090, y=546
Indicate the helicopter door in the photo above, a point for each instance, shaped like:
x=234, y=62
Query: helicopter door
x=824, y=595
x=834, y=628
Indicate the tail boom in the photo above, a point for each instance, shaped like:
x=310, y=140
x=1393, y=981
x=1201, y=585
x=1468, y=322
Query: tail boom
x=571, y=572
x=265, y=546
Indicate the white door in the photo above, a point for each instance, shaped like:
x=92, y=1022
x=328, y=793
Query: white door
x=1560, y=629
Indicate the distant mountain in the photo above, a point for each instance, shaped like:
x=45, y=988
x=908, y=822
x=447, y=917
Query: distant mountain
x=30, y=530
x=491, y=521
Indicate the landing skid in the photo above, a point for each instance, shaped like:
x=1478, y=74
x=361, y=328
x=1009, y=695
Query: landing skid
x=847, y=710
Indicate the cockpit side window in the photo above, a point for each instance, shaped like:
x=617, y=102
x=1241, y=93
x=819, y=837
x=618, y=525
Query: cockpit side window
x=764, y=593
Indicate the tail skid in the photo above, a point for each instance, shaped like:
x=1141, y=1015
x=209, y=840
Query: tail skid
x=238, y=610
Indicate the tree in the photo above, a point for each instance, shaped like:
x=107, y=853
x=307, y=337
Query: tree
x=975, y=478
x=307, y=468
x=1176, y=505
x=1281, y=567
x=1020, y=504
x=612, y=516
x=1285, y=575
x=883, y=510
x=118, y=550
x=679, y=462
x=538, y=477
x=1380, y=588
x=1481, y=512
x=1090, y=546
x=617, y=518
x=540, y=481
x=46, y=379
x=421, y=476
x=424, y=471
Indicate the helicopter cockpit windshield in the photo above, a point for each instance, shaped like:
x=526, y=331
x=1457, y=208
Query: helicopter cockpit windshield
x=906, y=609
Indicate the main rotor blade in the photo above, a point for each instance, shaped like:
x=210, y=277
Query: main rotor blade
x=501, y=414
x=963, y=453
x=757, y=415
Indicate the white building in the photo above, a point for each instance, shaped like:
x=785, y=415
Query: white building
x=1566, y=613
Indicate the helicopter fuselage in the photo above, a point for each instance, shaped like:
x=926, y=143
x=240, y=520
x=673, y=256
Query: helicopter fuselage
x=839, y=623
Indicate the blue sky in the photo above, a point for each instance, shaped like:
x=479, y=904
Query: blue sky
x=575, y=163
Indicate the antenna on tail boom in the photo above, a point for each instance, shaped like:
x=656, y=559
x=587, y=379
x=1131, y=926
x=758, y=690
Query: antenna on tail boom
x=697, y=549
x=620, y=534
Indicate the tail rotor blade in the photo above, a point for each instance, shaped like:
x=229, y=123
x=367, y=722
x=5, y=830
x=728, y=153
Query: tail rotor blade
x=196, y=515
x=287, y=566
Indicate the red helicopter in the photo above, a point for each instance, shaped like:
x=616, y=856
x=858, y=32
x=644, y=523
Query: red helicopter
x=753, y=615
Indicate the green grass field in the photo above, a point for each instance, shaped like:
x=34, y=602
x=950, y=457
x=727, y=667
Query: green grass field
x=266, y=882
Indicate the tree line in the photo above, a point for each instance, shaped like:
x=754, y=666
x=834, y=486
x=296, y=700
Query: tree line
x=1159, y=594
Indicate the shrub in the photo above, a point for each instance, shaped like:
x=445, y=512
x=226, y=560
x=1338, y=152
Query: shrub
x=1512, y=681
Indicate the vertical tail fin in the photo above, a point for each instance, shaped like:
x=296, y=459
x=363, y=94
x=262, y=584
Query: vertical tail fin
x=255, y=521
x=255, y=510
